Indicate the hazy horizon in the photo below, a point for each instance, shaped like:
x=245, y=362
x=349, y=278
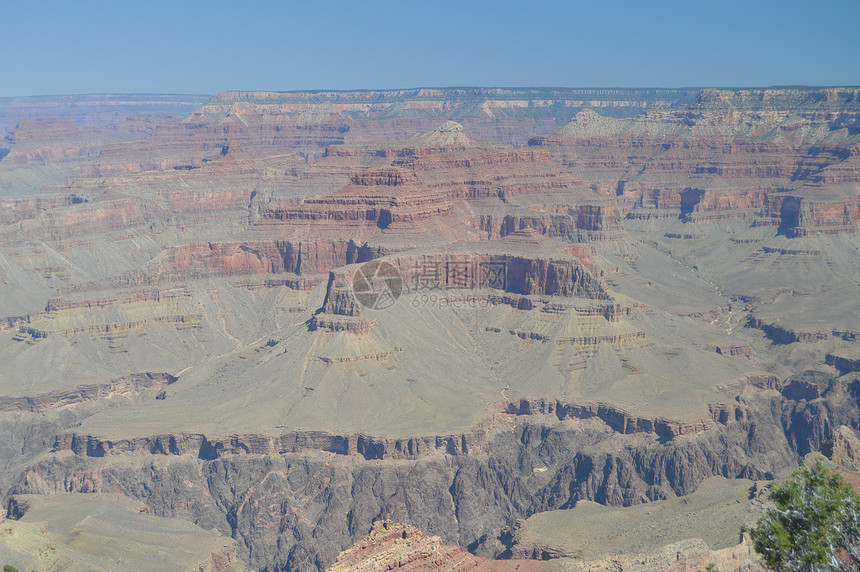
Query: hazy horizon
x=439, y=87
x=170, y=48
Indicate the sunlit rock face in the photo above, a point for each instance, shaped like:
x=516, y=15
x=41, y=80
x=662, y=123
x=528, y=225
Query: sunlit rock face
x=284, y=317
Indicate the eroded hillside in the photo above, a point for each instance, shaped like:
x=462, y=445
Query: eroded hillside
x=287, y=316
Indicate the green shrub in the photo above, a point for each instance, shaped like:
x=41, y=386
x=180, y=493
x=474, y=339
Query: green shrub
x=814, y=524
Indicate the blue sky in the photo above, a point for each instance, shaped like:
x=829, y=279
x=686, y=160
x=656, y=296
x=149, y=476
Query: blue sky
x=206, y=47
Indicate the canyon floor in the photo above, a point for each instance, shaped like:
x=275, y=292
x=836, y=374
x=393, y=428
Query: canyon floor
x=549, y=328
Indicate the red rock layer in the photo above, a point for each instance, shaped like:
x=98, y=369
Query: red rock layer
x=789, y=169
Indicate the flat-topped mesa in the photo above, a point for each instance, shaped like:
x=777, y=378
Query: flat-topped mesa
x=456, y=271
x=552, y=277
x=564, y=225
x=826, y=217
x=800, y=216
x=537, y=274
x=699, y=205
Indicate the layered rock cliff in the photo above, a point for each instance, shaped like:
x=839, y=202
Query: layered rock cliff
x=465, y=497
x=614, y=313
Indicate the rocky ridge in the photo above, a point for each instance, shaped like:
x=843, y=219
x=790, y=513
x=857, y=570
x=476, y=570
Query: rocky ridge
x=675, y=303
